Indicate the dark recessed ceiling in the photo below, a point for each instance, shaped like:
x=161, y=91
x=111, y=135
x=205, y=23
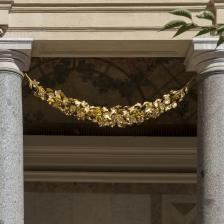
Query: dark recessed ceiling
x=109, y=81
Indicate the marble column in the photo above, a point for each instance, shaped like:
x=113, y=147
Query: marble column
x=14, y=58
x=208, y=61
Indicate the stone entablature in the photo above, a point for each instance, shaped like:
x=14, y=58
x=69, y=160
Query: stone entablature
x=97, y=28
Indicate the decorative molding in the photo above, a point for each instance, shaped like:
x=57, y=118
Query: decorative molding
x=81, y=26
x=203, y=56
x=110, y=177
x=110, y=153
x=86, y=29
x=109, y=2
x=134, y=53
x=134, y=159
x=15, y=54
x=5, y=5
x=123, y=7
x=104, y=3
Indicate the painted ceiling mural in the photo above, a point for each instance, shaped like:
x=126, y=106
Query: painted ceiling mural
x=107, y=82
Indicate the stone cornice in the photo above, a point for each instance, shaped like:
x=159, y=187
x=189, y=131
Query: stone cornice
x=100, y=27
x=203, y=56
x=105, y=6
x=109, y=2
x=5, y=5
x=110, y=159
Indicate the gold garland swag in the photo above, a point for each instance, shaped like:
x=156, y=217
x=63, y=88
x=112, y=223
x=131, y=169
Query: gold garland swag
x=120, y=116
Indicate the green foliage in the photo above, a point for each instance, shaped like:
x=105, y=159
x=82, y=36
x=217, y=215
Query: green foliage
x=221, y=40
x=205, y=30
x=220, y=29
x=182, y=26
x=182, y=12
x=207, y=15
x=174, y=24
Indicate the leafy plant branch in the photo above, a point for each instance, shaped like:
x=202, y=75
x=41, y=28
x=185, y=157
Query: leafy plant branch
x=182, y=26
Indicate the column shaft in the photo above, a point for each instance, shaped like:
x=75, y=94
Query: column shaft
x=211, y=148
x=11, y=149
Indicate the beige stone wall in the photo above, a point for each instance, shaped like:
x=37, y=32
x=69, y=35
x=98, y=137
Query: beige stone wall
x=97, y=28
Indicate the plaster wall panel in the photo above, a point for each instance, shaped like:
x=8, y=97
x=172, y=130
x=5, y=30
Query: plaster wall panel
x=131, y=209
x=178, y=209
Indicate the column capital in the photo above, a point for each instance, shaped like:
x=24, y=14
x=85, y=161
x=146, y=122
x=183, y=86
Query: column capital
x=203, y=56
x=15, y=54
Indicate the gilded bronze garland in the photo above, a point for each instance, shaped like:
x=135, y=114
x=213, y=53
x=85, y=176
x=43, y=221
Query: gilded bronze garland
x=120, y=116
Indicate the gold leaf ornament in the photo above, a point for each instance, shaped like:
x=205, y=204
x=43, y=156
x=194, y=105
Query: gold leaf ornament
x=120, y=116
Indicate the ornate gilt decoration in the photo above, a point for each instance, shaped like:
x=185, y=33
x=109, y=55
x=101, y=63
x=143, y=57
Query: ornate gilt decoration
x=118, y=115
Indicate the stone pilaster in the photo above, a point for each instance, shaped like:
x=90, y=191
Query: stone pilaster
x=208, y=62
x=14, y=58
